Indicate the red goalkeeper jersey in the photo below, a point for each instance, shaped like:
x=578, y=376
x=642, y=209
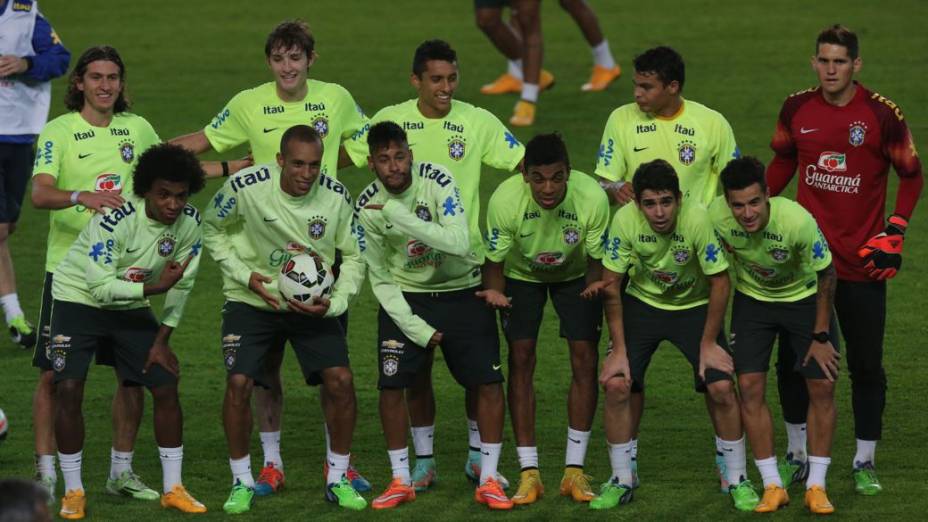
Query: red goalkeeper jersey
x=843, y=156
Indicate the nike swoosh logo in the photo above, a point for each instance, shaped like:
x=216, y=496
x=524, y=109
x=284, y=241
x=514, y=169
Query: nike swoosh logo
x=82, y=156
x=270, y=220
x=132, y=250
x=497, y=366
x=575, y=441
x=388, y=225
x=728, y=450
x=639, y=149
x=526, y=235
x=393, y=496
x=404, y=459
x=269, y=130
x=803, y=130
x=485, y=453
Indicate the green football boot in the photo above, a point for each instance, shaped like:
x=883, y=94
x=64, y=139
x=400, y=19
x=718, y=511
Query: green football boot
x=343, y=494
x=611, y=494
x=865, y=481
x=129, y=484
x=744, y=496
x=239, y=500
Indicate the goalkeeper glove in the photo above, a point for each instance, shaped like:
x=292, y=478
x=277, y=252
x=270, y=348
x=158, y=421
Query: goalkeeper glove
x=883, y=252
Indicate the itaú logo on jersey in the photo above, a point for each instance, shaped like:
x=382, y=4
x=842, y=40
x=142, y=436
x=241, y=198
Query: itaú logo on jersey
x=108, y=183
x=416, y=248
x=833, y=162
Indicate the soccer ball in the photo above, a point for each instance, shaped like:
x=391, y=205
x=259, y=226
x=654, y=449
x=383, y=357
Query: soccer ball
x=4, y=426
x=305, y=276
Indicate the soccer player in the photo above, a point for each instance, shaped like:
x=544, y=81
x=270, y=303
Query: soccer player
x=696, y=140
x=147, y=246
x=83, y=165
x=678, y=292
x=259, y=116
x=31, y=55
x=545, y=231
x=466, y=138
x=521, y=44
x=283, y=209
x=843, y=138
x=414, y=236
x=785, y=283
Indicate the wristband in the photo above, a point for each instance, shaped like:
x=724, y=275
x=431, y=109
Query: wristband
x=74, y=196
x=614, y=185
x=225, y=169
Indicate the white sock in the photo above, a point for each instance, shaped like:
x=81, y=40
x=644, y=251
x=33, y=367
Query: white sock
x=796, y=440
x=338, y=466
x=530, y=92
x=577, y=442
x=270, y=443
x=328, y=438
x=11, y=306
x=768, y=471
x=620, y=456
x=634, y=449
x=45, y=466
x=120, y=461
x=423, y=438
x=733, y=452
x=71, y=470
x=602, y=55
x=514, y=68
x=241, y=471
x=818, y=468
x=399, y=461
x=528, y=457
x=866, y=452
x=489, y=459
x=473, y=436
x=172, y=459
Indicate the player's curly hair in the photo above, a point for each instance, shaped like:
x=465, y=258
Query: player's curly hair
x=839, y=35
x=658, y=176
x=432, y=50
x=663, y=61
x=383, y=134
x=546, y=149
x=170, y=163
x=74, y=98
x=741, y=173
x=289, y=34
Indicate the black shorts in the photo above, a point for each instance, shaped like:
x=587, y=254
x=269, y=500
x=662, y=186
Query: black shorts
x=581, y=319
x=490, y=4
x=40, y=354
x=15, y=171
x=77, y=330
x=249, y=333
x=647, y=326
x=470, y=342
x=755, y=324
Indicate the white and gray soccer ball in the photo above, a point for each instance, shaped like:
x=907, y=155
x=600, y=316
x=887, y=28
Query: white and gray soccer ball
x=305, y=276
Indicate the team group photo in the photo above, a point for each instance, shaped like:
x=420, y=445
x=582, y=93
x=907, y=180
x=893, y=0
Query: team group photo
x=556, y=259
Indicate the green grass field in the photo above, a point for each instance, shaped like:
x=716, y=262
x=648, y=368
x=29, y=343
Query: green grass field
x=186, y=59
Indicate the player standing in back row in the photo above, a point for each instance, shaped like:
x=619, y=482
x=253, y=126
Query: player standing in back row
x=843, y=138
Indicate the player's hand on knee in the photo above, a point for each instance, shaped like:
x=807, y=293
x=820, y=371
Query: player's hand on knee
x=615, y=367
x=826, y=357
x=316, y=308
x=882, y=253
x=494, y=298
x=435, y=340
x=256, y=284
x=711, y=355
x=161, y=354
x=99, y=201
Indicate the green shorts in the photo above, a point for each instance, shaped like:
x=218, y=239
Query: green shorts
x=78, y=331
x=581, y=319
x=248, y=334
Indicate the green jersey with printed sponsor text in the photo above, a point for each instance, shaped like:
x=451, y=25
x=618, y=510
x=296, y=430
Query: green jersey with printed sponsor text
x=778, y=263
x=670, y=269
x=83, y=157
x=546, y=245
x=121, y=251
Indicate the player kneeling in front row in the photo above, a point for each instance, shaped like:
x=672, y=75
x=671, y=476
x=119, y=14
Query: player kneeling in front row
x=785, y=283
x=545, y=229
x=414, y=236
x=678, y=293
x=150, y=245
x=260, y=218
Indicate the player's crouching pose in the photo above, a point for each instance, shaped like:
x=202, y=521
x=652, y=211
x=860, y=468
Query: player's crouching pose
x=414, y=237
x=545, y=230
x=678, y=293
x=785, y=283
x=260, y=218
x=150, y=245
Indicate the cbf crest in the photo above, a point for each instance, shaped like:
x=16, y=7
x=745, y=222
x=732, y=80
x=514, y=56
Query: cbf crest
x=686, y=152
x=571, y=235
x=857, y=133
x=423, y=212
x=127, y=150
x=321, y=124
x=230, y=345
x=316, y=227
x=779, y=254
x=166, y=245
x=681, y=255
x=457, y=147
